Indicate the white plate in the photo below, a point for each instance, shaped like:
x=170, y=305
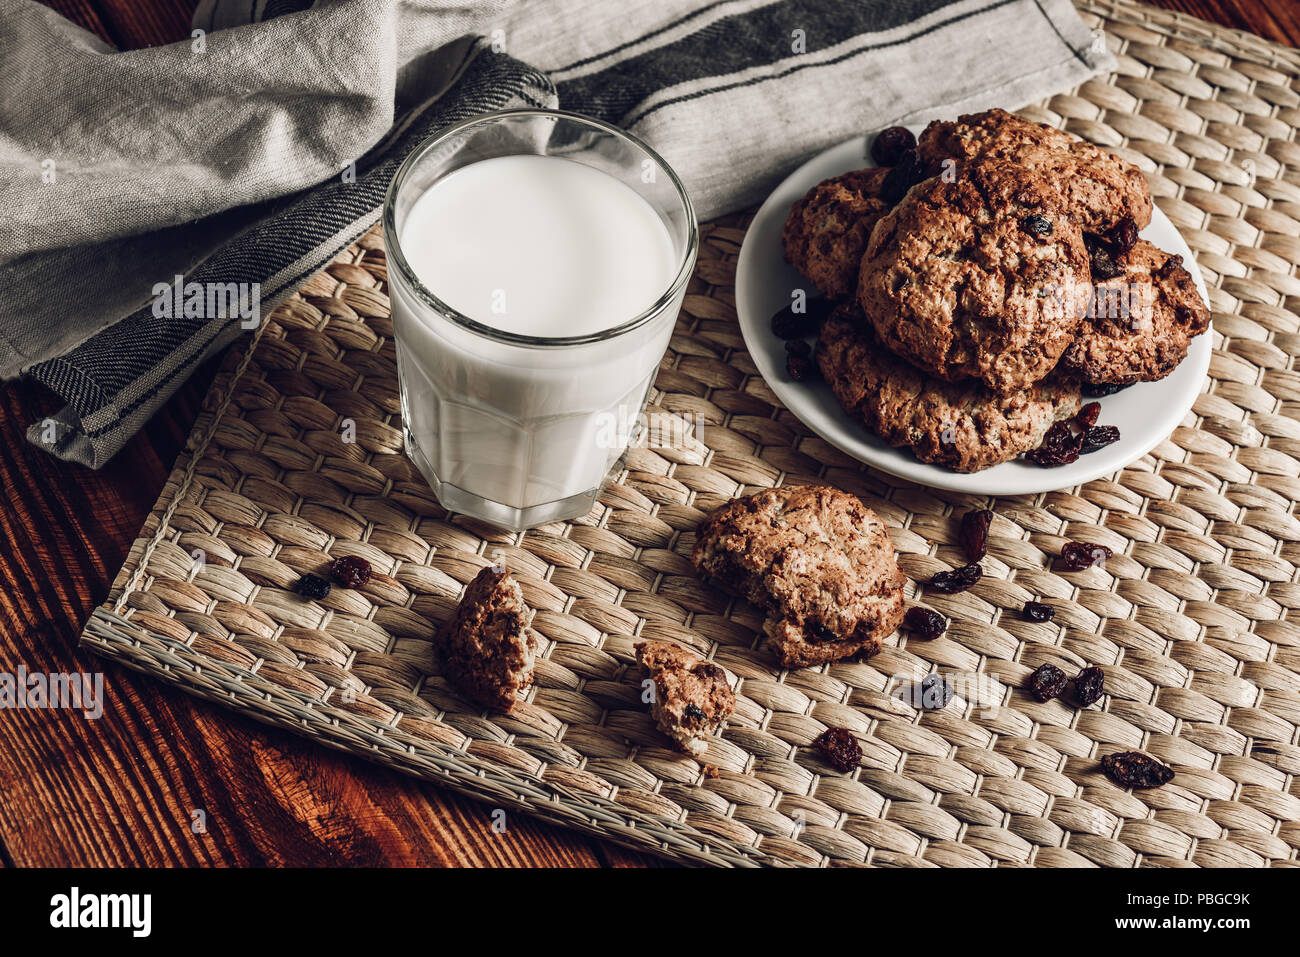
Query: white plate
x=1145, y=413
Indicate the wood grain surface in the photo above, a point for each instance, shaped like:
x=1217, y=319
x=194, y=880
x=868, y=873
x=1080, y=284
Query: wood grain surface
x=124, y=789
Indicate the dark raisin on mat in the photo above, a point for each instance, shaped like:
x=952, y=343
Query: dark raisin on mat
x=974, y=534
x=312, y=586
x=890, y=144
x=1060, y=446
x=1099, y=390
x=1037, y=611
x=840, y=747
x=1036, y=225
x=797, y=347
x=1047, y=682
x=907, y=172
x=800, y=368
x=1098, y=437
x=1076, y=556
x=1123, y=236
x=1103, y=263
x=924, y=622
x=1133, y=769
x=959, y=579
x=350, y=571
x=1087, y=416
x=1088, y=686
x=934, y=693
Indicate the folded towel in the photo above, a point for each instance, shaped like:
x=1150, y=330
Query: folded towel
x=256, y=150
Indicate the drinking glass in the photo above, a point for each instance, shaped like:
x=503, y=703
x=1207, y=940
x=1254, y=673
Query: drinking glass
x=515, y=429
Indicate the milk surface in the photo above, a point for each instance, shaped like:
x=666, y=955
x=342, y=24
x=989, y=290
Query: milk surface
x=539, y=245
x=545, y=247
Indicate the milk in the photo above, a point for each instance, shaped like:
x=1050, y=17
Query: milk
x=536, y=246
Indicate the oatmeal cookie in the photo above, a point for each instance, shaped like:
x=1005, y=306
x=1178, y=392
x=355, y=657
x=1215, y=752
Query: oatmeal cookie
x=487, y=648
x=827, y=230
x=984, y=277
x=692, y=697
x=1095, y=187
x=960, y=425
x=817, y=560
x=1140, y=322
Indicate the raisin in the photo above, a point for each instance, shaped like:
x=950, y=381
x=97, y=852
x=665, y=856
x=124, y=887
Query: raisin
x=797, y=347
x=693, y=712
x=1060, y=446
x=1088, y=686
x=1099, y=390
x=1098, y=437
x=1037, y=225
x=350, y=571
x=1047, y=682
x=819, y=632
x=974, y=533
x=840, y=747
x=789, y=324
x=312, y=586
x=1103, y=263
x=1037, y=611
x=1087, y=416
x=907, y=172
x=1123, y=236
x=890, y=144
x=959, y=579
x=935, y=693
x=924, y=622
x=1076, y=556
x=800, y=368
x=1169, y=267
x=1133, y=769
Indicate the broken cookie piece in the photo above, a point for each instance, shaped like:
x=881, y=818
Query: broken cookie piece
x=691, y=695
x=488, y=649
x=817, y=560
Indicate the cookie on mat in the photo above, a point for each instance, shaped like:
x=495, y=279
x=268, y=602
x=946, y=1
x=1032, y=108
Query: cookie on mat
x=961, y=425
x=817, y=560
x=1095, y=187
x=827, y=230
x=1141, y=320
x=692, y=697
x=487, y=648
x=983, y=277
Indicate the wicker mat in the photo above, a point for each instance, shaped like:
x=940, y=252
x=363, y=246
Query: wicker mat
x=1191, y=619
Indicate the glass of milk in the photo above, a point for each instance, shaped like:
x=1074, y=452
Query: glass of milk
x=537, y=262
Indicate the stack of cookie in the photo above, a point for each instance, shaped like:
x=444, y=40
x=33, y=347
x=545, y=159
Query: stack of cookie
x=985, y=277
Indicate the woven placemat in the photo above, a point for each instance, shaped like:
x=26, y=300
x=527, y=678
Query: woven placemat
x=1190, y=619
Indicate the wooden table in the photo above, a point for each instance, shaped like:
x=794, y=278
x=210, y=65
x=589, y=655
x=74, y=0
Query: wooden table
x=122, y=790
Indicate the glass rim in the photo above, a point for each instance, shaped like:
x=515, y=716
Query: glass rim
x=394, y=247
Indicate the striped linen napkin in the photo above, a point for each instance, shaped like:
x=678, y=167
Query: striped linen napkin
x=246, y=157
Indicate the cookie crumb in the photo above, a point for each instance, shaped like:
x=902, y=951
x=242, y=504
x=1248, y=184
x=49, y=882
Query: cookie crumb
x=691, y=695
x=488, y=648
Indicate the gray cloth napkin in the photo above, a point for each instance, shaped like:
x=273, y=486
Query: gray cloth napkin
x=256, y=150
